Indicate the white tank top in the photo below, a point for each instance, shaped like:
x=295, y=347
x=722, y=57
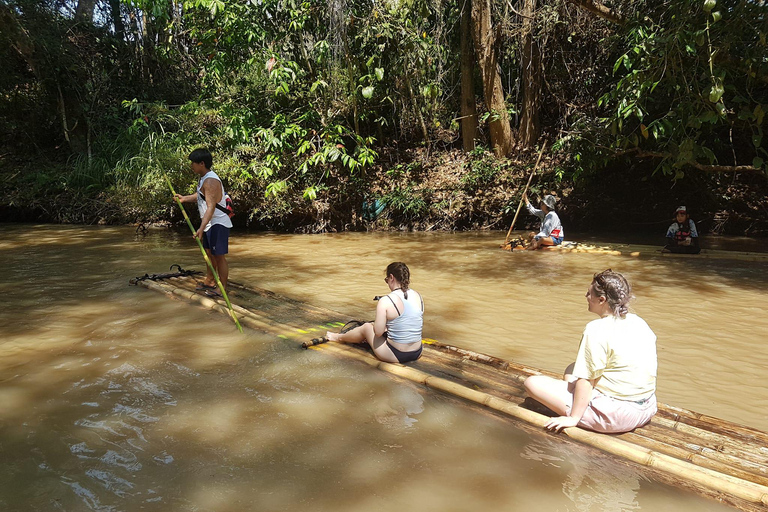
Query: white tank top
x=219, y=217
x=406, y=328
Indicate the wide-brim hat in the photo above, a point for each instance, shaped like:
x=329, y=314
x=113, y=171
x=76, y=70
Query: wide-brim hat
x=550, y=201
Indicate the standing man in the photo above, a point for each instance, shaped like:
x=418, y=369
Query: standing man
x=215, y=222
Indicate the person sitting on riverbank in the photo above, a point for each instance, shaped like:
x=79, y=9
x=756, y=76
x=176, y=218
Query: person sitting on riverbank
x=395, y=334
x=682, y=237
x=611, y=387
x=551, y=231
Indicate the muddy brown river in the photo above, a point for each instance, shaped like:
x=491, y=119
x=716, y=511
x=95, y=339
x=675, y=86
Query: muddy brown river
x=115, y=398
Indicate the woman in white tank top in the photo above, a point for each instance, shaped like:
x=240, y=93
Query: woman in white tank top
x=395, y=334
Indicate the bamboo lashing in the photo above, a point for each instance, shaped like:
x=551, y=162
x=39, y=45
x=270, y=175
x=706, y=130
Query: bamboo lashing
x=519, y=206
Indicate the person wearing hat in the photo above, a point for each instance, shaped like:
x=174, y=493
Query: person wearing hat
x=551, y=232
x=682, y=237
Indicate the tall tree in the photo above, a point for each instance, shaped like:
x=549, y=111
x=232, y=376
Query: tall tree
x=487, y=57
x=530, y=124
x=468, y=104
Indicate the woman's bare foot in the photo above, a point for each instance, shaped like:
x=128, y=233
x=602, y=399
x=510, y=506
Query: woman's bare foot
x=332, y=336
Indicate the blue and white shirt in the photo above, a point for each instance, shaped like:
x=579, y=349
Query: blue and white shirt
x=550, y=223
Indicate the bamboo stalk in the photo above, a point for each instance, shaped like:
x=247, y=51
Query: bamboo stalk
x=695, y=458
x=696, y=419
x=205, y=256
x=749, y=491
x=698, y=453
x=714, y=443
x=519, y=206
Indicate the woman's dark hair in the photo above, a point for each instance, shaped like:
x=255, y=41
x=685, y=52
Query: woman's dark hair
x=616, y=290
x=402, y=274
x=202, y=155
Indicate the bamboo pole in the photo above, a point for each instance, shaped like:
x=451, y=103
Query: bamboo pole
x=205, y=256
x=694, y=458
x=758, y=471
x=720, y=482
x=519, y=206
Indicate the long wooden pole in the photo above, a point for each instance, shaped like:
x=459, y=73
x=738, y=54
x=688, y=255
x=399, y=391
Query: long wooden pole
x=207, y=259
x=506, y=240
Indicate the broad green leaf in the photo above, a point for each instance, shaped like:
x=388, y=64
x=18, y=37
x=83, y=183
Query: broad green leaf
x=716, y=16
x=368, y=92
x=757, y=139
x=709, y=5
x=716, y=92
x=379, y=74
x=758, y=113
x=709, y=154
x=757, y=162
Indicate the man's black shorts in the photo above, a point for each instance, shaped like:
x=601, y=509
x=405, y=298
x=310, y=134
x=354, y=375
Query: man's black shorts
x=217, y=240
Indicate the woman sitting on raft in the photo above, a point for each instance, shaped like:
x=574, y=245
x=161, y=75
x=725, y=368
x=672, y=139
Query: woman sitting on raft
x=612, y=385
x=395, y=334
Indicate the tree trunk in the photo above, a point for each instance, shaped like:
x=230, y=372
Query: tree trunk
x=20, y=39
x=84, y=10
x=484, y=38
x=117, y=19
x=530, y=124
x=468, y=104
x=71, y=114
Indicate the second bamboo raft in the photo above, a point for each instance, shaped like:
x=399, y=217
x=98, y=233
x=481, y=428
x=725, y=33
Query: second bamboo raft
x=711, y=456
x=648, y=251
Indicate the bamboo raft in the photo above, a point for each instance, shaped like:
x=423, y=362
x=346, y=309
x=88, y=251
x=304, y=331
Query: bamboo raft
x=648, y=251
x=713, y=457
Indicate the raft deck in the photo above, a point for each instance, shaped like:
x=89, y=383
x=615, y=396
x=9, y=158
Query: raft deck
x=713, y=457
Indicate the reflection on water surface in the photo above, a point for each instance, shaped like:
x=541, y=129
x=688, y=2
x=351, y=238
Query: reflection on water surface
x=116, y=398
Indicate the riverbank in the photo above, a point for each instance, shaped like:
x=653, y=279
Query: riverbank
x=417, y=188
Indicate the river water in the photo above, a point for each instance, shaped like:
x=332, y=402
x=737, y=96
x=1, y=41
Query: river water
x=117, y=398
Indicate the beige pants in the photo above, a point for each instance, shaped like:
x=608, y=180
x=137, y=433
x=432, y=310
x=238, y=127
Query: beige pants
x=611, y=415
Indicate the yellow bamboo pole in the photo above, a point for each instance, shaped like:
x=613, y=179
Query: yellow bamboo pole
x=207, y=259
x=519, y=206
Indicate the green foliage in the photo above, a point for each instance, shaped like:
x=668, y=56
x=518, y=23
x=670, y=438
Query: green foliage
x=691, y=85
x=482, y=169
x=406, y=204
